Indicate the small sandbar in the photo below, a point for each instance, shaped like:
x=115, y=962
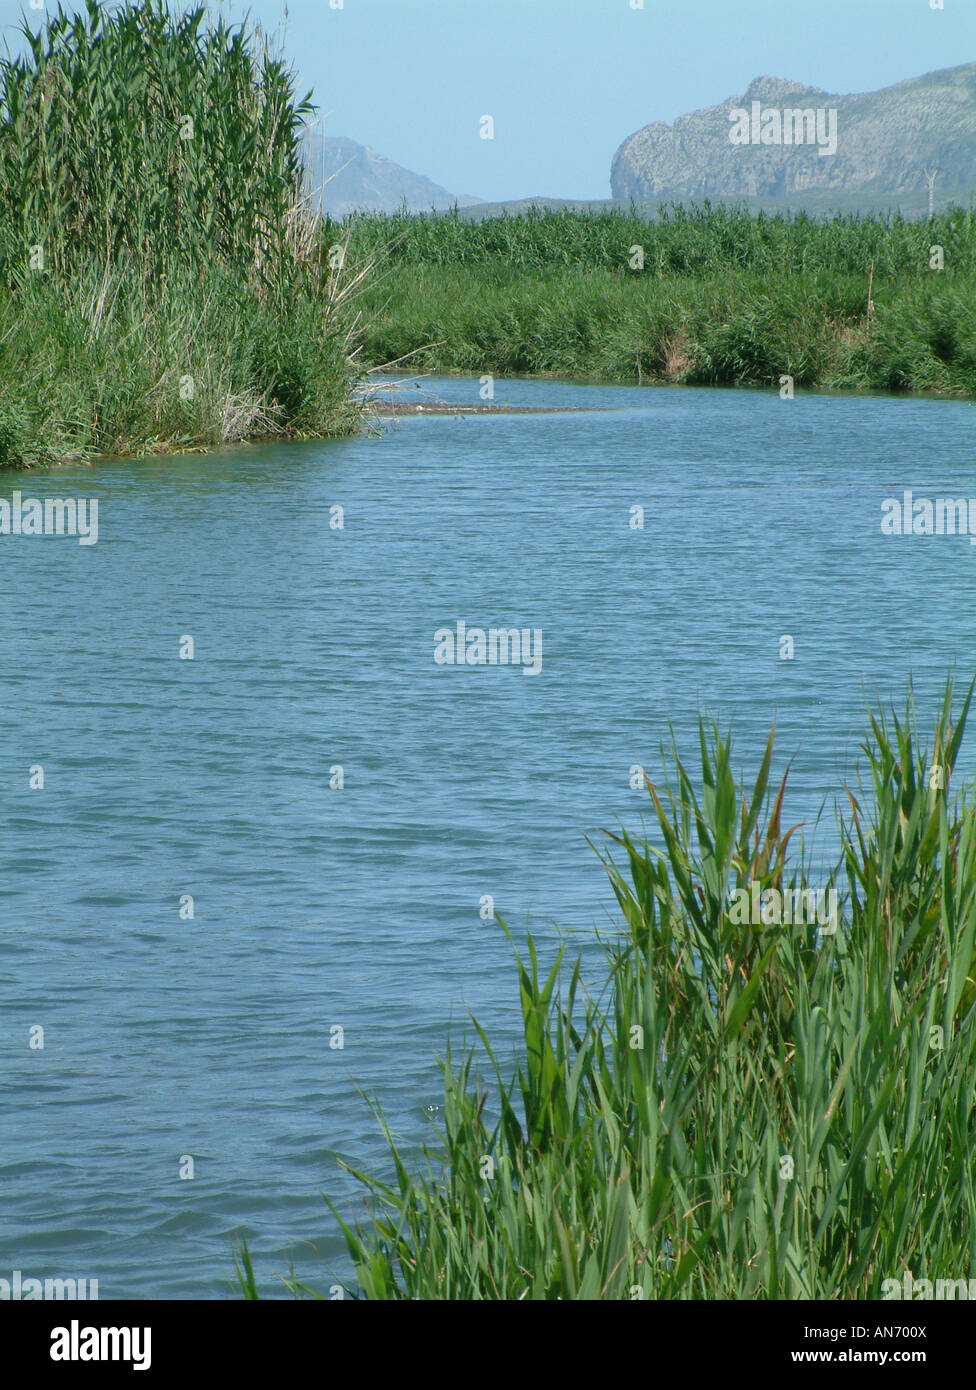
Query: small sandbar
x=441, y=408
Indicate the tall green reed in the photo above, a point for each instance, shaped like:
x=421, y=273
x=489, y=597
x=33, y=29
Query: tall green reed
x=701, y=240
x=164, y=280
x=130, y=133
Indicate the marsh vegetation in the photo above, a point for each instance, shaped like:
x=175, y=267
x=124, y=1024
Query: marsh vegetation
x=164, y=280
x=768, y=1111
x=700, y=295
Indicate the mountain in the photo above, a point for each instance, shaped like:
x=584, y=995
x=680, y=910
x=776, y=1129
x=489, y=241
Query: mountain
x=518, y=207
x=359, y=179
x=884, y=143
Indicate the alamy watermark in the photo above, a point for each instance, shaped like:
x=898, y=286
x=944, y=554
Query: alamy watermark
x=926, y=516
x=774, y=125
x=907, y=1287
x=496, y=646
x=77, y=1343
x=18, y=1288
x=768, y=907
x=50, y=516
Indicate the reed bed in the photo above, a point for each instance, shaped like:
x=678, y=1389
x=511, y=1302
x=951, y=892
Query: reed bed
x=702, y=240
x=721, y=297
x=763, y=1111
x=164, y=281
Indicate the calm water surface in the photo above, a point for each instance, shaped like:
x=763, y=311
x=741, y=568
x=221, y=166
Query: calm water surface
x=358, y=907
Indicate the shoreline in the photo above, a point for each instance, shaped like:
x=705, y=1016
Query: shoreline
x=374, y=412
x=389, y=409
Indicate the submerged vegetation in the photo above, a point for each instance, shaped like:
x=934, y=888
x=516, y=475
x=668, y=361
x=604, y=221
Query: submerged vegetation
x=702, y=295
x=163, y=280
x=745, y=1112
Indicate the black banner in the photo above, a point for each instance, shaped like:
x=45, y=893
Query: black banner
x=166, y=1338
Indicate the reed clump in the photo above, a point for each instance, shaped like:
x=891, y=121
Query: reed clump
x=760, y=1111
x=163, y=280
x=748, y=297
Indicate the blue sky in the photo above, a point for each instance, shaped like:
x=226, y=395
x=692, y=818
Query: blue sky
x=567, y=80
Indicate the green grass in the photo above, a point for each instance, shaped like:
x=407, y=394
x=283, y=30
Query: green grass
x=106, y=364
x=742, y=1112
x=163, y=281
x=723, y=298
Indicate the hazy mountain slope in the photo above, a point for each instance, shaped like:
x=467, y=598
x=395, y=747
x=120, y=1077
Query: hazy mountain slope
x=360, y=179
x=885, y=142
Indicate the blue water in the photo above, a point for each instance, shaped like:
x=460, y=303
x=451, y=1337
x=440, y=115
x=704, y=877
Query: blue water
x=359, y=907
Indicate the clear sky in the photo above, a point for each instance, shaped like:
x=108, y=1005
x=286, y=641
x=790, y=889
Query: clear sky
x=567, y=80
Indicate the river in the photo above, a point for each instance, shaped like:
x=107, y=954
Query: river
x=340, y=806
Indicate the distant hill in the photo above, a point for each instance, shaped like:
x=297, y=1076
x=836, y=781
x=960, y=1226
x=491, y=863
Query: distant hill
x=359, y=179
x=885, y=142
x=516, y=207
x=913, y=206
